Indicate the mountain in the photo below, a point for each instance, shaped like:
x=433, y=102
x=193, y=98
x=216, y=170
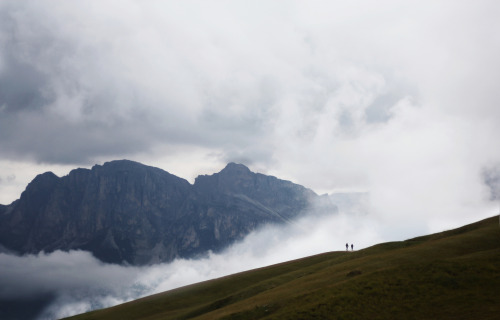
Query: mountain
x=449, y=275
x=127, y=212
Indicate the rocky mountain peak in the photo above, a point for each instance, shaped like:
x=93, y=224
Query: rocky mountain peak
x=234, y=178
x=41, y=186
x=235, y=168
x=45, y=178
x=122, y=166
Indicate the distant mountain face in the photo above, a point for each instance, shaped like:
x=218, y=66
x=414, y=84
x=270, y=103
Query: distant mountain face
x=126, y=212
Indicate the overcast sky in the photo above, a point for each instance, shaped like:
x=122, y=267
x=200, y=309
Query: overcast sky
x=399, y=99
x=396, y=98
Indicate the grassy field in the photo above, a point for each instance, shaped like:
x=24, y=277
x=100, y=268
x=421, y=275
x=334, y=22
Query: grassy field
x=449, y=275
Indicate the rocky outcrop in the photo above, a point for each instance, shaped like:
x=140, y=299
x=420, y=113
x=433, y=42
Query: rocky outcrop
x=126, y=212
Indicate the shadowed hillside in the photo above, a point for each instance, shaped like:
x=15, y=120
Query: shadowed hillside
x=449, y=275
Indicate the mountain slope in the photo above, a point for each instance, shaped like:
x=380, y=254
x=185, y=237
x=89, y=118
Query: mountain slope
x=124, y=211
x=449, y=275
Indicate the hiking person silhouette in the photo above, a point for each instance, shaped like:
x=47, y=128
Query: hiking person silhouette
x=346, y=247
x=352, y=247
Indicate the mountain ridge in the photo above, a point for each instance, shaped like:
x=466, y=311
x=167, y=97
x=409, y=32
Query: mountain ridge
x=127, y=212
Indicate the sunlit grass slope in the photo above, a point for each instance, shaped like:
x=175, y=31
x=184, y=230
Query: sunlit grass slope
x=450, y=275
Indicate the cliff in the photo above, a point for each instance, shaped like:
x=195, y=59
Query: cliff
x=127, y=212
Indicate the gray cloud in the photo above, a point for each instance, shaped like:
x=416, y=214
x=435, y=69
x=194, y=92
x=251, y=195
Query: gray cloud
x=65, y=98
x=20, y=86
x=21, y=82
x=33, y=275
x=82, y=83
x=491, y=177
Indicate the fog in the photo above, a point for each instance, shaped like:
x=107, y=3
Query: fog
x=78, y=282
x=62, y=284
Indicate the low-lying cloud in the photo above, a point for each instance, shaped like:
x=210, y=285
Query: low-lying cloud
x=78, y=282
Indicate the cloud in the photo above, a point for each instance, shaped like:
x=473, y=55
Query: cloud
x=56, y=271
x=399, y=100
x=491, y=176
x=82, y=82
x=80, y=101
x=78, y=282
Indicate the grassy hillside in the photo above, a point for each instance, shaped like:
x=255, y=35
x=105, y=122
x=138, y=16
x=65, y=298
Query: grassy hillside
x=449, y=275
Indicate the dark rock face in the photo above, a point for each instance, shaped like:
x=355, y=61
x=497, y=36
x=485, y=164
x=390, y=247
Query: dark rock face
x=126, y=212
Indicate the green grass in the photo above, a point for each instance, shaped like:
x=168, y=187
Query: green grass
x=449, y=275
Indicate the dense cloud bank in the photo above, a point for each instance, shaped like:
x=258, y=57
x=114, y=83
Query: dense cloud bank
x=75, y=282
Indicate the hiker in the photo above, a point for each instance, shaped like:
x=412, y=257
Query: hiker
x=352, y=247
x=346, y=247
